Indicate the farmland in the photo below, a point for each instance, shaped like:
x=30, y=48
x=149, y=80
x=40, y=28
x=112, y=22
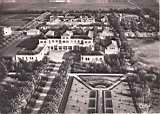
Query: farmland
x=62, y=6
x=16, y=19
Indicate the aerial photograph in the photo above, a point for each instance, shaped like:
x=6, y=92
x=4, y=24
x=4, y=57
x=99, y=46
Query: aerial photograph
x=79, y=56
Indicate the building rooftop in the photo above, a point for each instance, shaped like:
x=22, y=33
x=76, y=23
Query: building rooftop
x=53, y=37
x=85, y=37
x=91, y=53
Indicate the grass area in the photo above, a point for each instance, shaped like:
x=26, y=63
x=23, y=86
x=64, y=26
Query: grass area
x=147, y=52
x=29, y=44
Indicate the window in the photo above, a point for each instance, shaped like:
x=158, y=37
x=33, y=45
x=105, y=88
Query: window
x=44, y=41
x=112, y=48
x=85, y=41
x=86, y=59
x=70, y=47
x=82, y=58
x=49, y=41
x=52, y=41
x=63, y=41
x=63, y=47
x=60, y=47
x=59, y=41
x=41, y=41
x=56, y=40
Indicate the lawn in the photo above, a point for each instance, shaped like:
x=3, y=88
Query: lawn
x=29, y=44
x=147, y=52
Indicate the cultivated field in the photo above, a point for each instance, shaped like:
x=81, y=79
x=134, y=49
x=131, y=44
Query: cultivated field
x=61, y=6
x=16, y=19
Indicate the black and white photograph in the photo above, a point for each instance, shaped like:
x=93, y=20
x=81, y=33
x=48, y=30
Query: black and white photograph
x=79, y=56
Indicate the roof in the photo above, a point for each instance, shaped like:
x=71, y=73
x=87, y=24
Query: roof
x=50, y=33
x=53, y=37
x=92, y=53
x=33, y=30
x=24, y=51
x=105, y=43
x=85, y=37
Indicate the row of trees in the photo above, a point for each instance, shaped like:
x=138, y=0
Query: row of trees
x=14, y=95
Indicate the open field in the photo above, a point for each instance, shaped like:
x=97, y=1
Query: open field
x=16, y=19
x=61, y=6
x=148, y=53
x=152, y=4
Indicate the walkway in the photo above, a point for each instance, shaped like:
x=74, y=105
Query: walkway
x=100, y=101
x=43, y=94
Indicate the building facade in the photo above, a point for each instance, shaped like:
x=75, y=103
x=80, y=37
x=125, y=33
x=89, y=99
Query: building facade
x=67, y=41
x=112, y=48
x=7, y=31
x=92, y=57
x=32, y=55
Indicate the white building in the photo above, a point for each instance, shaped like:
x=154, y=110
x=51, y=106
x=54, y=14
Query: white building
x=54, y=21
x=7, y=31
x=50, y=33
x=32, y=55
x=130, y=34
x=33, y=32
x=106, y=33
x=112, y=48
x=92, y=57
x=72, y=21
x=130, y=16
x=145, y=34
x=67, y=41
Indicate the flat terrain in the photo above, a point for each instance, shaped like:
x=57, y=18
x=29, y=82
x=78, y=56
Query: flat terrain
x=122, y=102
x=152, y=4
x=16, y=19
x=78, y=98
x=60, y=6
x=147, y=52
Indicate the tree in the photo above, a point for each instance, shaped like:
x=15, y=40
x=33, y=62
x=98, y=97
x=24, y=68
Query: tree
x=3, y=71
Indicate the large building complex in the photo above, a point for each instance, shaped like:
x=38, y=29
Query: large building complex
x=67, y=41
x=32, y=55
